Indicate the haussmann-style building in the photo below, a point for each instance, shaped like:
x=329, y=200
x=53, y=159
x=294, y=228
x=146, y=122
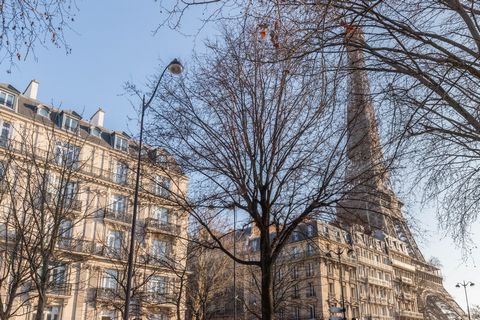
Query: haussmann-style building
x=67, y=186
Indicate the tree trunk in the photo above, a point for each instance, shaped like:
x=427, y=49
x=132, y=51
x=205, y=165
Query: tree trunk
x=41, y=291
x=267, y=281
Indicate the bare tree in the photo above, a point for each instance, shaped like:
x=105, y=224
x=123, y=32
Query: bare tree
x=475, y=312
x=424, y=58
x=260, y=133
x=209, y=282
x=27, y=24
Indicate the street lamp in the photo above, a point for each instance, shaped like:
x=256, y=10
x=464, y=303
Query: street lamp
x=339, y=253
x=465, y=285
x=174, y=67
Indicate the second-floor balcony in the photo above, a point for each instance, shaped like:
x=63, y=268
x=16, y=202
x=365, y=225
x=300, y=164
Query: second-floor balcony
x=117, y=216
x=60, y=289
x=76, y=245
x=108, y=294
x=155, y=298
x=162, y=226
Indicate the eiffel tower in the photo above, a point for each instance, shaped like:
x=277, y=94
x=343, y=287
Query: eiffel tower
x=372, y=206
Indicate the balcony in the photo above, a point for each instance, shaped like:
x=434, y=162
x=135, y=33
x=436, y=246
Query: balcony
x=65, y=204
x=379, y=282
x=117, y=216
x=406, y=280
x=403, y=265
x=76, y=245
x=374, y=263
x=159, y=261
x=60, y=289
x=161, y=226
x=411, y=314
x=109, y=294
x=155, y=298
x=110, y=252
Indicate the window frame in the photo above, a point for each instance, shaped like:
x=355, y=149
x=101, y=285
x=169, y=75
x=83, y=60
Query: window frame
x=120, y=143
x=5, y=141
x=68, y=120
x=8, y=95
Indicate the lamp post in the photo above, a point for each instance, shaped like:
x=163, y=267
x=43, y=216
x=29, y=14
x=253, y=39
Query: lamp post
x=175, y=67
x=339, y=253
x=465, y=285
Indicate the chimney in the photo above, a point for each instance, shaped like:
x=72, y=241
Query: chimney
x=97, y=118
x=32, y=90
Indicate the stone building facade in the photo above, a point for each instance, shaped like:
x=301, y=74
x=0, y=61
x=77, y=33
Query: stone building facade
x=77, y=178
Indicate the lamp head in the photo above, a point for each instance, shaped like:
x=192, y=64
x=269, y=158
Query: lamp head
x=175, y=67
x=472, y=284
x=457, y=285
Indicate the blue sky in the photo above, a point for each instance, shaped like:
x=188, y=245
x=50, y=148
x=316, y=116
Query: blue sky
x=112, y=43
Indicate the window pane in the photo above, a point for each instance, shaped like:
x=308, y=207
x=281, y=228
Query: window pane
x=10, y=101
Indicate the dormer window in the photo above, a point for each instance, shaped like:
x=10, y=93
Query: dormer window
x=121, y=143
x=71, y=124
x=7, y=99
x=96, y=132
x=43, y=112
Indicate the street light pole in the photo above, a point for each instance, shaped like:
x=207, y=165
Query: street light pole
x=175, y=67
x=465, y=285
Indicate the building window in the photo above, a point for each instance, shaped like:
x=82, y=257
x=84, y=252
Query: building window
x=58, y=275
x=121, y=143
x=311, y=289
x=330, y=269
x=295, y=272
x=119, y=204
x=109, y=280
x=71, y=124
x=296, y=293
x=66, y=229
x=6, y=134
x=114, y=240
x=331, y=288
x=51, y=313
x=7, y=99
x=159, y=249
x=162, y=186
x=43, y=112
x=161, y=215
x=296, y=236
x=67, y=154
x=296, y=313
x=295, y=252
x=310, y=230
x=309, y=270
x=69, y=193
x=121, y=172
x=310, y=250
x=311, y=311
x=108, y=315
x=96, y=132
x=157, y=285
x=2, y=171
